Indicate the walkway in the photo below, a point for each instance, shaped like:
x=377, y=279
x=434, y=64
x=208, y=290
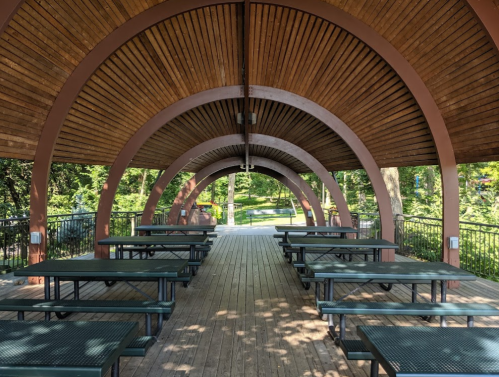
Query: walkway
x=245, y=314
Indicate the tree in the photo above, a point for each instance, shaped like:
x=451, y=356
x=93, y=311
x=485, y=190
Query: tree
x=230, y=199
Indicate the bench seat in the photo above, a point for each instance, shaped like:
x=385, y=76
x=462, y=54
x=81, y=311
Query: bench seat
x=139, y=346
x=165, y=248
x=406, y=308
x=354, y=349
x=162, y=308
x=344, y=308
x=87, y=306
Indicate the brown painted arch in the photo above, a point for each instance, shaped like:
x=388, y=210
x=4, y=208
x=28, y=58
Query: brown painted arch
x=436, y=123
x=69, y=93
x=133, y=145
x=488, y=17
x=254, y=139
x=305, y=205
x=148, y=18
x=186, y=190
x=8, y=9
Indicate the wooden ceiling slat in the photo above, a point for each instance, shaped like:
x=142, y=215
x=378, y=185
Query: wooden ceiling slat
x=176, y=86
x=208, y=28
x=438, y=31
x=144, y=65
x=471, y=87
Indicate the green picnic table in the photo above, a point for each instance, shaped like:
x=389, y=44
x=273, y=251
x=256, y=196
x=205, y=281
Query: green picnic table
x=62, y=349
x=162, y=241
x=105, y=270
x=176, y=229
x=314, y=230
x=432, y=351
x=382, y=271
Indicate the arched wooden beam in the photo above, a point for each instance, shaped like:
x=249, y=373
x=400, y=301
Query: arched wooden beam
x=131, y=148
x=488, y=17
x=133, y=145
x=439, y=132
x=186, y=190
x=299, y=181
x=289, y=181
x=8, y=8
x=168, y=9
x=261, y=140
x=148, y=18
x=351, y=139
x=69, y=93
x=305, y=205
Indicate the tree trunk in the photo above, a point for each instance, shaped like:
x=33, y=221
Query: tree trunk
x=391, y=178
x=230, y=199
x=143, y=187
x=213, y=191
x=430, y=181
x=279, y=196
x=345, y=177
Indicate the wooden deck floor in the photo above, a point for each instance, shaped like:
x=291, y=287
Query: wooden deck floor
x=246, y=314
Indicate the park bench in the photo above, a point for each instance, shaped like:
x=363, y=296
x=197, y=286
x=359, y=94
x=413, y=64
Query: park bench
x=289, y=251
x=139, y=345
x=150, y=250
x=355, y=349
x=270, y=213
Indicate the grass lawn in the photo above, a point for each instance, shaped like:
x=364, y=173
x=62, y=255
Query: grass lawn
x=265, y=203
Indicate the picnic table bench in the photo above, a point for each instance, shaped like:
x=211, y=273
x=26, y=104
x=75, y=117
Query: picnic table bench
x=270, y=213
x=432, y=351
x=61, y=349
x=344, y=308
x=92, y=306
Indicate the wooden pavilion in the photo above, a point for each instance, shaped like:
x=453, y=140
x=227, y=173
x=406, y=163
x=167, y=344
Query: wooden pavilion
x=173, y=85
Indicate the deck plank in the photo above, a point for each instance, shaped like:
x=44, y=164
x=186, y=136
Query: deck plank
x=245, y=313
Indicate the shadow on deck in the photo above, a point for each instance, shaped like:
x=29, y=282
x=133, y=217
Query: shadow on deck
x=246, y=314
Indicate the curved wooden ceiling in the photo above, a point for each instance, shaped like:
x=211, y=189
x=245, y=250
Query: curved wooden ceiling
x=290, y=50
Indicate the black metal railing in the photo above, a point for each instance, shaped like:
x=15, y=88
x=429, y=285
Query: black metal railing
x=14, y=243
x=421, y=237
x=68, y=235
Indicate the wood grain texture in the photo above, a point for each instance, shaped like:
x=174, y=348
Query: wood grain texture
x=291, y=50
x=246, y=314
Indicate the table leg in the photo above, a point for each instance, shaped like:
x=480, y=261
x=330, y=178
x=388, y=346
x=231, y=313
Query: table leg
x=443, y=298
x=330, y=320
x=165, y=295
x=46, y=281
x=301, y=258
x=57, y=288
x=374, y=368
x=115, y=369
x=192, y=256
x=161, y=288
x=76, y=289
x=172, y=292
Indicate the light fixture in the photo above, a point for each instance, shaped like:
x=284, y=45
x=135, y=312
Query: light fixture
x=453, y=243
x=251, y=118
x=36, y=238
